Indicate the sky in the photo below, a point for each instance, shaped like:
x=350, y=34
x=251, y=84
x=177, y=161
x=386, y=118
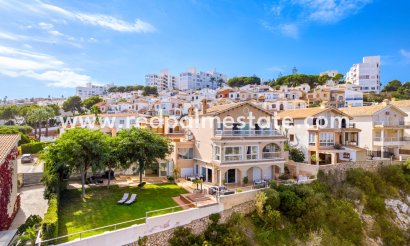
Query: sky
x=49, y=47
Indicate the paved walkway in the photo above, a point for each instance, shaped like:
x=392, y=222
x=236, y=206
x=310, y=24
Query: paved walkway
x=32, y=202
x=34, y=167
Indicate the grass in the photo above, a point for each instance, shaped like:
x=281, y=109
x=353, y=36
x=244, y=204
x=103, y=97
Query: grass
x=100, y=207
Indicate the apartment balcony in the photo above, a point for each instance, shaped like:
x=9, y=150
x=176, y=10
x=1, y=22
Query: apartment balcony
x=248, y=133
x=391, y=124
x=390, y=141
x=254, y=159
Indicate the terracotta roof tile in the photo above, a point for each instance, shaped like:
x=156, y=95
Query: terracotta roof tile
x=7, y=143
x=366, y=110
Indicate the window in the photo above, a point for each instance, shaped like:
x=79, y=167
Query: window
x=292, y=137
x=185, y=153
x=233, y=153
x=312, y=138
x=251, y=152
x=326, y=139
x=217, y=153
x=122, y=122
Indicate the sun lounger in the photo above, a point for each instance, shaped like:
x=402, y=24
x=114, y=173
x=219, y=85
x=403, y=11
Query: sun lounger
x=123, y=199
x=131, y=200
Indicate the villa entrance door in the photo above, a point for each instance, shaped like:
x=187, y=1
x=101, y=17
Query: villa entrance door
x=231, y=176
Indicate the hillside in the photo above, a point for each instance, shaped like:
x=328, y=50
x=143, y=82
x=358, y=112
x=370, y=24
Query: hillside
x=368, y=208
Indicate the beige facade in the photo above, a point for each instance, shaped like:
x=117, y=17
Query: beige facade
x=227, y=153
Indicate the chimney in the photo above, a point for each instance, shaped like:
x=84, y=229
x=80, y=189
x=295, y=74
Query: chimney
x=386, y=102
x=204, y=106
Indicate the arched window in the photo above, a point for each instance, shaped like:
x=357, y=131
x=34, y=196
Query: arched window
x=271, y=151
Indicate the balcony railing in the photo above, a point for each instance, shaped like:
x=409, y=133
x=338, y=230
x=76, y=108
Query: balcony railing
x=392, y=123
x=391, y=139
x=248, y=133
x=271, y=155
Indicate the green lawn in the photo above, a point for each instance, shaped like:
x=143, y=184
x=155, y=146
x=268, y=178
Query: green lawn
x=100, y=207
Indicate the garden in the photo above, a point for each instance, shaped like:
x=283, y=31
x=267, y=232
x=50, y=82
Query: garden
x=99, y=207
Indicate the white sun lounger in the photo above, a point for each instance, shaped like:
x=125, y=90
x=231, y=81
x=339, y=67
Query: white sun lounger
x=123, y=199
x=131, y=200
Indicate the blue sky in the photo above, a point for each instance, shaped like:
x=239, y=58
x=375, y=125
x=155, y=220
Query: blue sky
x=49, y=47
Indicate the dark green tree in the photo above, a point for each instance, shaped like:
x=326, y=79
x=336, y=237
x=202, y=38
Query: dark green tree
x=73, y=104
x=142, y=147
x=91, y=101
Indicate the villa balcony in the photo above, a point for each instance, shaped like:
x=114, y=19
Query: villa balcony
x=248, y=159
x=248, y=133
x=391, y=124
x=391, y=141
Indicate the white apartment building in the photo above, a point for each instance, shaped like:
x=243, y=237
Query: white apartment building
x=163, y=81
x=366, y=74
x=192, y=79
x=91, y=90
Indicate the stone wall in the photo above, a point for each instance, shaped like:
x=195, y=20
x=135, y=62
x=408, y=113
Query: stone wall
x=198, y=226
x=339, y=170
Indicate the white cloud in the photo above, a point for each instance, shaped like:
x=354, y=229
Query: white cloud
x=104, y=21
x=289, y=30
x=331, y=11
x=405, y=53
x=306, y=12
x=22, y=63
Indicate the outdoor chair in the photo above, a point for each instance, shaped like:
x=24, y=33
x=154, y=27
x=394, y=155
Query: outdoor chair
x=123, y=199
x=131, y=200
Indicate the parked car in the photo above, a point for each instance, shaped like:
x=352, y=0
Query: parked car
x=26, y=158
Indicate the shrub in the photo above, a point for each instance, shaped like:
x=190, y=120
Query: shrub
x=32, y=148
x=283, y=177
x=376, y=205
x=245, y=180
x=215, y=218
x=171, y=178
x=49, y=226
x=184, y=237
x=31, y=221
x=296, y=155
x=272, y=198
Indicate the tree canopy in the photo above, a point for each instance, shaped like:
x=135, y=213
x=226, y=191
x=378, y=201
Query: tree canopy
x=242, y=81
x=127, y=88
x=298, y=79
x=72, y=104
x=143, y=147
x=77, y=149
x=393, y=85
x=150, y=90
x=91, y=101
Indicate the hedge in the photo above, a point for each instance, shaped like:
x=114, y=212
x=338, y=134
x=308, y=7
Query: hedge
x=49, y=227
x=32, y=148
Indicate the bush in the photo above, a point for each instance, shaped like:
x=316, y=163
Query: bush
x=376, y=205
x=184, y=237
x=296, y=155
x=31, y=221
x=215, y=218
x=49, y=226
x=32, y=148
x=283, y=177
x=245, y=180
x=272, y=198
